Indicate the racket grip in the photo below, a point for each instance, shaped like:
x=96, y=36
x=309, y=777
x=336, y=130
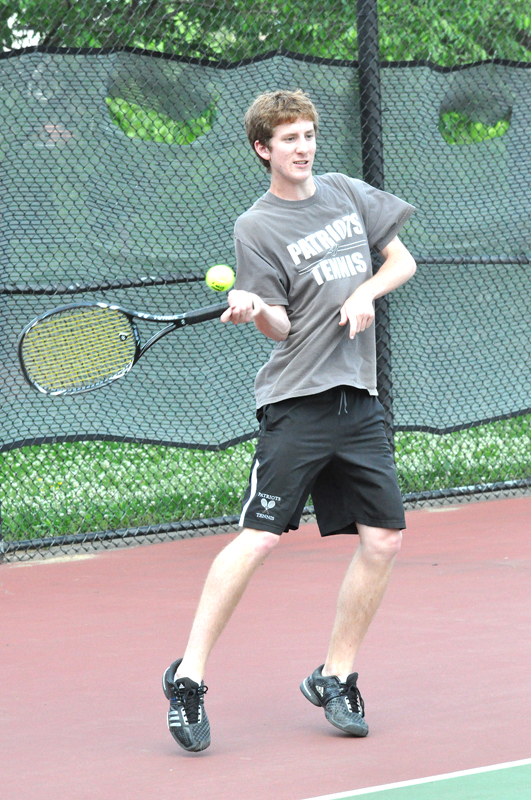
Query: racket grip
x=204, y=314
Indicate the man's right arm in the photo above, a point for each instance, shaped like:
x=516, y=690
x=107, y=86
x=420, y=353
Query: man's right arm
x=244, y=306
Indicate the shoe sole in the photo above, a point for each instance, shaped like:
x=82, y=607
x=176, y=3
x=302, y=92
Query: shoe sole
x=360, y=731
x=191, y=748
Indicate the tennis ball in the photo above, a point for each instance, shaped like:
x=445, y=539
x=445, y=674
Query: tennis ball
x=220, y=278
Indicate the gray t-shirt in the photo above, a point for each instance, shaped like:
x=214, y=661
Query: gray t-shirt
x=310, y=255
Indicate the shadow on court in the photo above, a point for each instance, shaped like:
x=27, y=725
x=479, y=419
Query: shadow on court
x=444, y=670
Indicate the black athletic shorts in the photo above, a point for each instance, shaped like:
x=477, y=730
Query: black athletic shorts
x=332, y=445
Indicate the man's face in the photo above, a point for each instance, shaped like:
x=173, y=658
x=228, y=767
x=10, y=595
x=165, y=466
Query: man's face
x=291, y=151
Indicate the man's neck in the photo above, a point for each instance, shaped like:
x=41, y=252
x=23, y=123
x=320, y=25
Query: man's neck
x=287, y=190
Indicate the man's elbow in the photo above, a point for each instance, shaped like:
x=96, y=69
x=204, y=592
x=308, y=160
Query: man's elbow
x=281, y=324
x=281, y=335
x=407, y=263
x=277, y=330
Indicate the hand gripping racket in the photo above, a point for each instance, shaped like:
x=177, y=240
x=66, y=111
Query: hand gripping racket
x=83, y=346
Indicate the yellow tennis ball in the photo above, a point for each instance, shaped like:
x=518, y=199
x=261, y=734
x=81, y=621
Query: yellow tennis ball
x=220, y=278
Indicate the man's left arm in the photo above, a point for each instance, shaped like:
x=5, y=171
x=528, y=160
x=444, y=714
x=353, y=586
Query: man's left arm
x=399, y=266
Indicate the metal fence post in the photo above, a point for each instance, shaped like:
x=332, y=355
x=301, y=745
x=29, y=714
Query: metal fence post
x=370, y=96
x=373, y=173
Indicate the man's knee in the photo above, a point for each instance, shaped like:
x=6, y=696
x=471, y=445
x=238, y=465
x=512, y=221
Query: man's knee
x=259, y=542
x=380, y=543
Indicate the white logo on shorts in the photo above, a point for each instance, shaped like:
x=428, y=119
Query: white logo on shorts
x=267, y=503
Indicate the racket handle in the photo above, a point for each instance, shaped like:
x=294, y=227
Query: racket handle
x=203, y=314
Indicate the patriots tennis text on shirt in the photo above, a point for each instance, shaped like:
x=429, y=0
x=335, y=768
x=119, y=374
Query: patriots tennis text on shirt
x=335, y=265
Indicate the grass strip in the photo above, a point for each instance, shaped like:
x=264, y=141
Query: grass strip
x=79, y=487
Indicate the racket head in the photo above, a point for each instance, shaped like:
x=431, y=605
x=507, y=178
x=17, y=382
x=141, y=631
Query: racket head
x=77, y=348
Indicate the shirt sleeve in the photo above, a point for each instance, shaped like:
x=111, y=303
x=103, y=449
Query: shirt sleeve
x=385, y=214
x=255, y=274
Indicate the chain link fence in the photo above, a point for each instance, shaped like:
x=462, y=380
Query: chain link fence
x=124, y=165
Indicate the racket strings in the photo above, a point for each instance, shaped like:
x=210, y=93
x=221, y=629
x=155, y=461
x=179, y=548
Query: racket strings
x=79, y=349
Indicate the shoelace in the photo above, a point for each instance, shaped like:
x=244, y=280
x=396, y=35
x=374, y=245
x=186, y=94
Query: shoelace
x=190, y=699
x=351, y=691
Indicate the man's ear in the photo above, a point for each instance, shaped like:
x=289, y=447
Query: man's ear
x=262, y=150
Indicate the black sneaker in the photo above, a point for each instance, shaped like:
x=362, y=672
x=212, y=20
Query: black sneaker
x=187, y=719
x=342, y=702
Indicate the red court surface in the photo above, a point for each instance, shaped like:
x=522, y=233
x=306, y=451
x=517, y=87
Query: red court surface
x=444, y=670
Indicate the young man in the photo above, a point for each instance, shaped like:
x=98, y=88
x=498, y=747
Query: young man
x=304, y=278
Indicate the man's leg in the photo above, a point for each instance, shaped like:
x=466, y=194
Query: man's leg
x=182, y=682
x=229, y=575
x=334, y=686
x=360, y=595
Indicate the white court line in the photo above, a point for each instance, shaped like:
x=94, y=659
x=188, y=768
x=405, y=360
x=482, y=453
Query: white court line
x=418, y=781
x=54, y=560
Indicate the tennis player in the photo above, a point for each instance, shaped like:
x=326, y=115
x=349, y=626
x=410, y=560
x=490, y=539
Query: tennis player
x=304, y=278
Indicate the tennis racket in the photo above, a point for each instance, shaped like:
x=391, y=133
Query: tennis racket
x=84, y=346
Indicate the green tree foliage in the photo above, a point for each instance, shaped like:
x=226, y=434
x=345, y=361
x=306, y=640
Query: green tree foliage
x=448, y=33
x=458, y=128
x=455, y=32
x=152, y=126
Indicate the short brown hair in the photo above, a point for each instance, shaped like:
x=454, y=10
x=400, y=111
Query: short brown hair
x=276, y=108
